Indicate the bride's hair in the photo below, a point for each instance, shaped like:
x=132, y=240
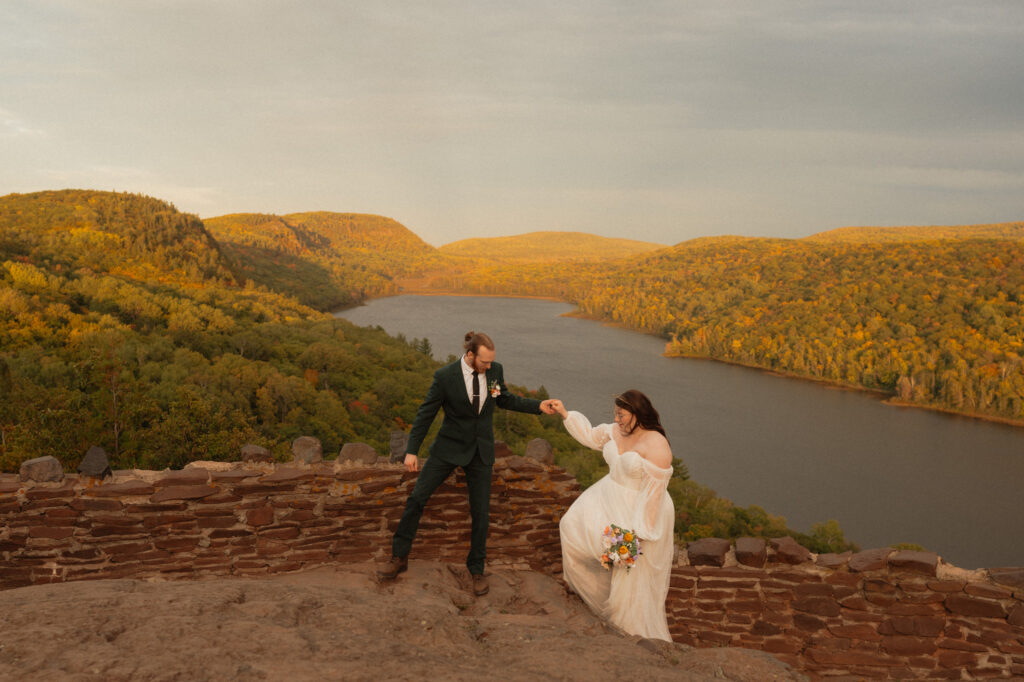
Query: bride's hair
x=639, y=405
x=474, y=340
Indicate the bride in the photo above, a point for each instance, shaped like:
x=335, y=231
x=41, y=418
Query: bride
x=633, y=496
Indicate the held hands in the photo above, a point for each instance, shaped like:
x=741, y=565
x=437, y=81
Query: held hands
x=412, y=463
x=554, y=406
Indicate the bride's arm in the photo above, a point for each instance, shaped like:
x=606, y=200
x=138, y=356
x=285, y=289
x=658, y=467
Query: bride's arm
x=655, y=475
x=579, y=428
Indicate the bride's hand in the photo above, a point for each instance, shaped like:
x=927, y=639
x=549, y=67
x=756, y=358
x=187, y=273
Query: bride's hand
x=559, y=407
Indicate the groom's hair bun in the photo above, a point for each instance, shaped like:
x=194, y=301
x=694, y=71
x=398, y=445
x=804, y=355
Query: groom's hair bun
x=474, y=340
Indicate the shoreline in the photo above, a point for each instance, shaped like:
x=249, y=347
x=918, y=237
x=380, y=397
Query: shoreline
x=884, y=397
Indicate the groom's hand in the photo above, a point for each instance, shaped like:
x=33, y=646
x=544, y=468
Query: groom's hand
x=548, y=406
x=412, y=462
x=557, y=407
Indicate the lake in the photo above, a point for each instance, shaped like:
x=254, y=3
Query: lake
x=797, y=448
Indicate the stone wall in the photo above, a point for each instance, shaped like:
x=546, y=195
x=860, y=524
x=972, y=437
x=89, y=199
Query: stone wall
x=877, y=614
x=881, y=613
x=244, y=519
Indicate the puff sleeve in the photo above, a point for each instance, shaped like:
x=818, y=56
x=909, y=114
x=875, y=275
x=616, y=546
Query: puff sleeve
x=649, y=523
x=579, y=428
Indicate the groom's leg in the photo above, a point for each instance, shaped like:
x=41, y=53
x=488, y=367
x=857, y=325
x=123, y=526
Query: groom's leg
x=478, y=481
x=433, y=474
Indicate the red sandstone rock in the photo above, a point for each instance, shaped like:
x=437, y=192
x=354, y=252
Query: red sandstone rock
x=808, y=623
x=1014, y=577
x=918, y=562
x=789, y=551
x=52, y=533
x=232, y=475
x=751, y=551
x=922, y=626
x=192, y=476
x=1016, y=617
x=971, y=606
x=261, y=516
x=820, y=606
x=287, y=475
x=859, y=631
x=900, y=645
x=832, y=560
x=988, y=591
x=869, y=560
x=847, y=658
x=123, y=489
x=65, y=490
x=814, y=590
x=182, y=492
x=360, y=474
x=708, y=552
x=956, y=659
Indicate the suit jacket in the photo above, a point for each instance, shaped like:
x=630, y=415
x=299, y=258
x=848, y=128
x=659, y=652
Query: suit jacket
x=463, y=432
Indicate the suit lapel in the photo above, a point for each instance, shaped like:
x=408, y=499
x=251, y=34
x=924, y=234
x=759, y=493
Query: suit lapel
x=487, y=385
x=459, y=385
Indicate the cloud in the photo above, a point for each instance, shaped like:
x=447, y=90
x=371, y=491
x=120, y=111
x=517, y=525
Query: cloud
x=12, y=126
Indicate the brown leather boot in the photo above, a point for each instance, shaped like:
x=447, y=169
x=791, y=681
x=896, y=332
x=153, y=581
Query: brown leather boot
x=391, y=569
x=480, y=586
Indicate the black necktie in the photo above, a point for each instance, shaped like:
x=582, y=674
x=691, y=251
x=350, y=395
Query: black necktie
x=476, y=392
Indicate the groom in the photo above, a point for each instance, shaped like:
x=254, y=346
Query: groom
x=468, y=390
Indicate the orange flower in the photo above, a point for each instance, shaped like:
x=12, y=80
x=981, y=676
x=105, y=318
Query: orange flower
x=623, y=550
x=628, y=537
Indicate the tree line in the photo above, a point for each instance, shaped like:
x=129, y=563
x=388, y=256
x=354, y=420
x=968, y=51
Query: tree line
x=936, y=323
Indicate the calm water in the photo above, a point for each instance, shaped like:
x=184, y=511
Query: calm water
x=809, y=453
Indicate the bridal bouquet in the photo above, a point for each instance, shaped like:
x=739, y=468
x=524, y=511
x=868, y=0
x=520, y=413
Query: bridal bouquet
x=621, y=547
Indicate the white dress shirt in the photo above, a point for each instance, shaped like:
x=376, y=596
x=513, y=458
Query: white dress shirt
x=467, y=374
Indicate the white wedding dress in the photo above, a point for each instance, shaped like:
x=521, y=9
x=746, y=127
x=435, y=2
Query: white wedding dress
x=633, y=496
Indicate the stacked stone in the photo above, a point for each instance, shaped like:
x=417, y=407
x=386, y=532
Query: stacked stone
x=256, y=517
x=881, y=613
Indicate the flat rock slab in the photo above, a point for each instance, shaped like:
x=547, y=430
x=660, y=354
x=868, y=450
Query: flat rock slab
x=870, y=560
x=183, y=492
x=752, y=551
x=122, y=489
x=916, y=562
x=708, y=551
x=340, y=624
x=789, y=551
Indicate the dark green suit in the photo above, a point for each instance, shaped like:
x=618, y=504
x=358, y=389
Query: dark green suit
x=466, y=440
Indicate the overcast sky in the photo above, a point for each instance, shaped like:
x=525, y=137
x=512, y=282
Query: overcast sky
x=660, y=121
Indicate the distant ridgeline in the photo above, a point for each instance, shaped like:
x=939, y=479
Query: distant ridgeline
x=325, y=260
x=932, y=316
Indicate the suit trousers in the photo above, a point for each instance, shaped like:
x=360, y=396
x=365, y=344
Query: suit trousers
x=432, y=475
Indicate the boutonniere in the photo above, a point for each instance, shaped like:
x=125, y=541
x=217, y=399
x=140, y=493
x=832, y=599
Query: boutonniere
x=494, y=388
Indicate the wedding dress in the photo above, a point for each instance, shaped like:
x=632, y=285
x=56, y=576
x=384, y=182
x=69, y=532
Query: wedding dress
x=633, y=496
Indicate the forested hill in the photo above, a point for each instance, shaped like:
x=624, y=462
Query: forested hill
x=1010, y=231
x=933, y=322
x=326, y=260
x=547, y=247
x=122, y=325
x=109, y=232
